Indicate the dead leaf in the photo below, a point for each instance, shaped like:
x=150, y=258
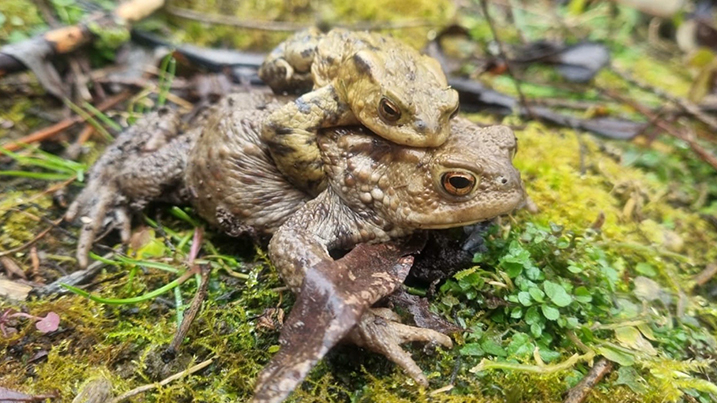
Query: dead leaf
x=14, y=291
x=12, y=268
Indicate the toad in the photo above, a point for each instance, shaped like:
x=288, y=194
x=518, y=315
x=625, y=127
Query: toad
x=377, y=192
x=357, y=78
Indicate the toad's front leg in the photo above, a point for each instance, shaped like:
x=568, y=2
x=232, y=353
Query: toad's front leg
x=290, y=133
x=334, y=297
x=287, y=69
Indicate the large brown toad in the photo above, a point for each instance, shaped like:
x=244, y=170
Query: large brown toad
x=377, y=191
x=357, y=78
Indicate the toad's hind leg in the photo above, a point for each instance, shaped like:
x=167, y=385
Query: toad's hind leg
x=145, y=162
x=290, y=132
x=287, y=69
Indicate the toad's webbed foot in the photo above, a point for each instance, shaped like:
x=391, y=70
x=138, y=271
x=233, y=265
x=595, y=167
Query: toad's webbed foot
x=333, y=297
x=144, y=162
x=287, y=69
x=380, y=330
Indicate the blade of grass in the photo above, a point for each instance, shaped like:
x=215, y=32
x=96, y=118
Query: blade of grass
x=38, y=175
x=124, y=301
x=168, y=69
x=182, y=215
x=103, y=117
x=90, y=120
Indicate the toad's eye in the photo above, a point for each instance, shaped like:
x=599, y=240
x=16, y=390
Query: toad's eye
x=388, y=111
x=454, y=113
x=458, y=183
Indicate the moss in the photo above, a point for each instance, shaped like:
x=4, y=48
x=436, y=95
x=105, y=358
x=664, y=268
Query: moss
x=18, y=222
x=303, y=11
x=18, y=20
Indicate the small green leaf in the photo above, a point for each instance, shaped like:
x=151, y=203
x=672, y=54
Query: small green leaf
x=493, y=348
x=524, y=298
x=472, y=349
x=520, y=345
x=532, y=316
x=583, y=295
x=550, y=313
x=629, y=377
x=449, y=300
x=557, y=294
x=616, y=355
x=645, y=269
x=537, y=294
x=630, y=337
x=536, y=329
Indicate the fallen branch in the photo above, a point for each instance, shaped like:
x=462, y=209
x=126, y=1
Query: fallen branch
x=705, y=155
x=706, y=275
x=57, y=128
x=144, y=388
x=579, y=392
x=285, y=26
x=684, y=104
x=503, y=55
x=36, y=53
x=189, y=316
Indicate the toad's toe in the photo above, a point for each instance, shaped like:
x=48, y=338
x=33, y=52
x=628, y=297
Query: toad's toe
x=378, y=331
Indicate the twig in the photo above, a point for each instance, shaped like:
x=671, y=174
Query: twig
x=706, y=275
x=49, y=132
x=32, y=241
x=503, y=55
x=705, y=155
x=85, y=134
x=282, y=26
x=189, y=314
x=35, y=259
x=579, y=392
x=12, y=268
x=74, y=278
x=684, y=104
x=172, y=378
x=67, y=39
x=36, y=398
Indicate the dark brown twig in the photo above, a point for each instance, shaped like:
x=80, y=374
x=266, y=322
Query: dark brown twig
x=706, y=275
x=684, y=104
x=189, y=314
x=284, y=26
x=49, y=132
x=503, y=55
x=688, y=138
x=579, y=392
x=64, y=40
x=30, y=242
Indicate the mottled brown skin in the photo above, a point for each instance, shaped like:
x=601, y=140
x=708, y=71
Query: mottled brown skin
x=377, y=191
x=357, y=77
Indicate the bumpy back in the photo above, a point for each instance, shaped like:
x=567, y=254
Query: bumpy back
x=230, y=174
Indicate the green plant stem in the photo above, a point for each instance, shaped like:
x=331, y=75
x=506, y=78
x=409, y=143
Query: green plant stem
x=487, y=364
x=133, y=300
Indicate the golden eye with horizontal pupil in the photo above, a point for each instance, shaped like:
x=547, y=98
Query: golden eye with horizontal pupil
x=388, y=111
x=458, y=183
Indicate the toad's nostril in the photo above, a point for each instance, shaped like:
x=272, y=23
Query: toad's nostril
x=504, y=181
x=420, y=126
